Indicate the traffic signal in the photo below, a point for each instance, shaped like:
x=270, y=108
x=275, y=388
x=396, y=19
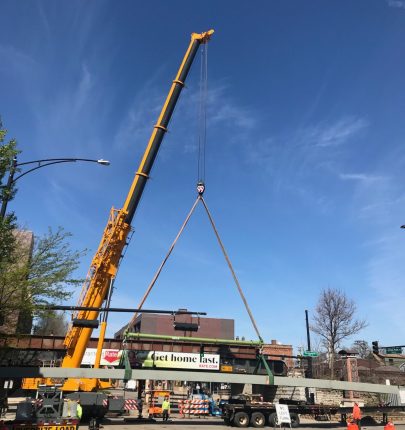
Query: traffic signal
x=375, y=347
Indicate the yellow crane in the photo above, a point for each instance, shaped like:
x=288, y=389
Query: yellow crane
x=104, y=265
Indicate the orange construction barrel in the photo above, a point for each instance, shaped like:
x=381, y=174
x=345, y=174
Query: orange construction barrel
x=389, y=426
x=353, y=426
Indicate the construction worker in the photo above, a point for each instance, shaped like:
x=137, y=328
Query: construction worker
x=79, y=412
x=140, y=406
x=357, y=415
x=166, y=408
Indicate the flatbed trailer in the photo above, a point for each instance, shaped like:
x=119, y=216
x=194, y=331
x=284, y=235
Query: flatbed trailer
x=244, y=411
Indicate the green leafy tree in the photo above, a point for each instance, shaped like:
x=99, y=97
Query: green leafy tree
x=41, y=275
x=33, y=273
x=8, y=150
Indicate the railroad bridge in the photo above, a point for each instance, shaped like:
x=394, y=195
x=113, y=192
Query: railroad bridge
x=34, y=350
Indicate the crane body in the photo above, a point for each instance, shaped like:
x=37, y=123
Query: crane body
x=104, y=266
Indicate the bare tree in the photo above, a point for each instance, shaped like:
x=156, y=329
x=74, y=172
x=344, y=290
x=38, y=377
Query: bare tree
x=334, y=320
x=362, y=348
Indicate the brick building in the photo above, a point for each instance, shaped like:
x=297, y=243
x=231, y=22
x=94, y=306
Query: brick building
x=213, y=328
x=279, y=351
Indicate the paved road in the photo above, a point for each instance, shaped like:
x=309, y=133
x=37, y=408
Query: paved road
x=217, y=424
x=211, y=423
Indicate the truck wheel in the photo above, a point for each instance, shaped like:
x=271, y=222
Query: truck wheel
x=295, y=420
x=272, y=419
x=241, y=419
x=257, y=420
x=227, y=421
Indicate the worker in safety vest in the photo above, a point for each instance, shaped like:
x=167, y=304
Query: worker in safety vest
x=166, y=408
x=357, y=415
x=79, y=412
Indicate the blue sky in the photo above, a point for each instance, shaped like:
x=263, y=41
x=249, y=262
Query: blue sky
x=305, y=149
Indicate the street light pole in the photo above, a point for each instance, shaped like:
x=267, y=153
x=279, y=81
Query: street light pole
x=40, y=163
x=10, y=181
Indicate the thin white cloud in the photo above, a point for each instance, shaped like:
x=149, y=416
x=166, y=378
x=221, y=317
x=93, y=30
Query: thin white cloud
x=361, y=177
x=386, y=202
x=386, y=273
x=335, y=133
x=18, y=62
x=301, y=152
x=70, y=109
x=233, y=115
x=304, y=146
x=222, y=112
x=140, y=117
x=84, y=88
x=44, y=19
x=399, y=4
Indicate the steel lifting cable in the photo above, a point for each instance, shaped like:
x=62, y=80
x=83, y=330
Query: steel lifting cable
x=202, y=137
x=155, y=278
x=202, y=114
x=153, y=282
x=235, y=278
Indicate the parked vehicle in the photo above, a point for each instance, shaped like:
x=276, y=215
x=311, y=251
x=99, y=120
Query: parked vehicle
x=244, y=410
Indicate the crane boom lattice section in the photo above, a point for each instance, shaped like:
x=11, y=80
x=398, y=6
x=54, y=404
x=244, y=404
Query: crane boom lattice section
x=102, y=269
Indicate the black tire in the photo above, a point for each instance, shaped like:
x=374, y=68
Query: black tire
x=227, y=421
x=241, y=419
x=272, y=420
x=295, y=420
x=257, y=420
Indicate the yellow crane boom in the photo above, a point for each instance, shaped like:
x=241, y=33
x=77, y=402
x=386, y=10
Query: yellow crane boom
x=104, y=265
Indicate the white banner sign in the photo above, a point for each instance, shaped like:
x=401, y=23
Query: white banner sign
x=179, y=360
x=283, y=414
x=109, y=357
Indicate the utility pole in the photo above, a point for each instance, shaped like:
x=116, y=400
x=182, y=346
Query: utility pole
x=309, y=371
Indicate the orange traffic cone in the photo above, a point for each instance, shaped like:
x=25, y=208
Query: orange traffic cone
x=389, y=426
x=353, y=426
